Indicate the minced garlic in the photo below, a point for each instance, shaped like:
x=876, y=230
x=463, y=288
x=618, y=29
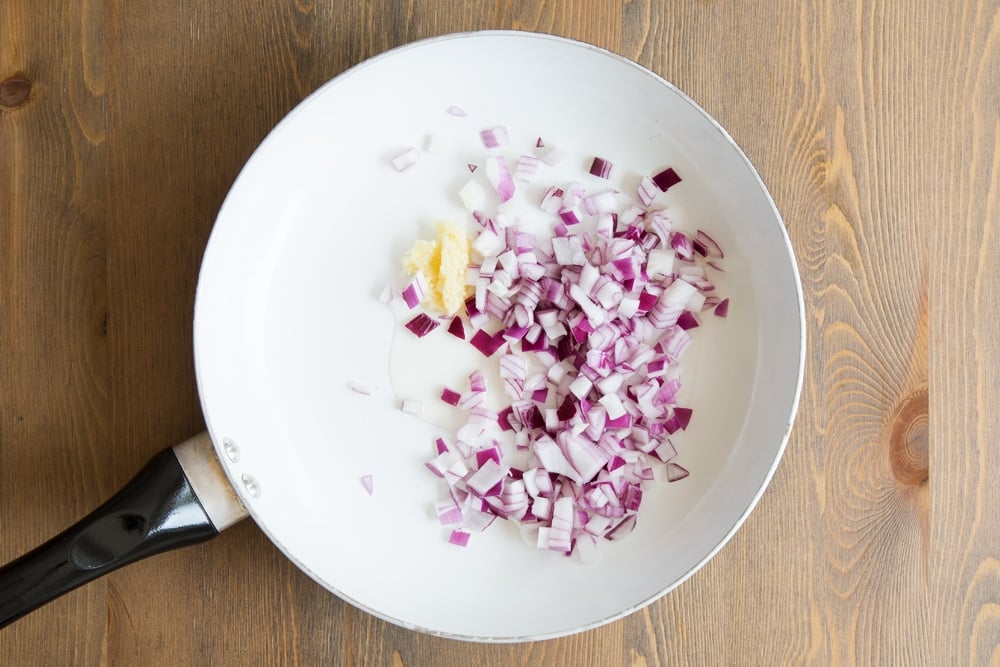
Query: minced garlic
x=443, y=262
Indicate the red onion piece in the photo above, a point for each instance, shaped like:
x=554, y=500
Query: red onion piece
x=415, y=290
x=486, y=343
x=681, y=243
x=525, y=168
x=687, y=320
x=366, y=481
x=683, y=416
x=450, y=396
x=600, y=168
x=487, y=480
x=448, y=513
x=666, y=179
x=604, y=308
x=421, y=325
x=646, y=191
x=499, y=177
x=494, y=137
x=456, y=328
x=459, y=538
x=676, y=472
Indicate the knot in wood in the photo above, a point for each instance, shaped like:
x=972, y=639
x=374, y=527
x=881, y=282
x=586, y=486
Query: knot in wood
x=908, y=440
x=14, y=91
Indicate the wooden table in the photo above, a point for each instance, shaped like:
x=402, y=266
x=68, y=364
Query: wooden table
x=875, y=124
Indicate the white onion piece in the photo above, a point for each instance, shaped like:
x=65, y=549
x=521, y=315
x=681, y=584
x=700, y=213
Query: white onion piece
x=412, y=407
x=499, y=177
x=360, y=388
x=525, y=168
x=406, y=159
x=472, y=195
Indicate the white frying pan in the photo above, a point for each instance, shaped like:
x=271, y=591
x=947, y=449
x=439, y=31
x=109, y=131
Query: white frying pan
x=287, y=315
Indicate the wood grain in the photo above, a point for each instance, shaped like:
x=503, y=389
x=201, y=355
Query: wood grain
x=874, y=124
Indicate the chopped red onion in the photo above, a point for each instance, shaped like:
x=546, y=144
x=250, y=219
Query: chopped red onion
x=683, y=416
x=472, y=195
x=456, y=328
x=525, y=168
x=494, y=137
x=486, y=343
x=665, y=451
x=646, y=191
x=450, y=396
x=488, y=479
x=622, y=529
x=660, y=264
x=448, y=513
x=570, y=216
x=676, y=472
x=589, y=326
x=360, y=388
x=499, y=177
x=406, y=159
x=422, y=324
x=477, y=382
x=600, y=168
x=552, y=200
x=411, y=407
x=366, y=481
x=415, y=290
x=488, y=453
x=681, y=243
x=456, y=111
x=687, y=320
x=666, y=179
x=459, y=538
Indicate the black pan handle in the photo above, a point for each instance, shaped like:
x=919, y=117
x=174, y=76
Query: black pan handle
x=157, y=511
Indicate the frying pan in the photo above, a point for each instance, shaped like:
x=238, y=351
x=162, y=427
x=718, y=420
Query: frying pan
x=287, y=316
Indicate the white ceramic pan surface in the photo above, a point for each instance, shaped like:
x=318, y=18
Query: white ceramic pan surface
x=287, y=316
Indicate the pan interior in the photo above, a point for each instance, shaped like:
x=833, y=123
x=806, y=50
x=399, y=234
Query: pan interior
x=287, y=315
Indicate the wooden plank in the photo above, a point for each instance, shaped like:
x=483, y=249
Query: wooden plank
x=54, y=346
